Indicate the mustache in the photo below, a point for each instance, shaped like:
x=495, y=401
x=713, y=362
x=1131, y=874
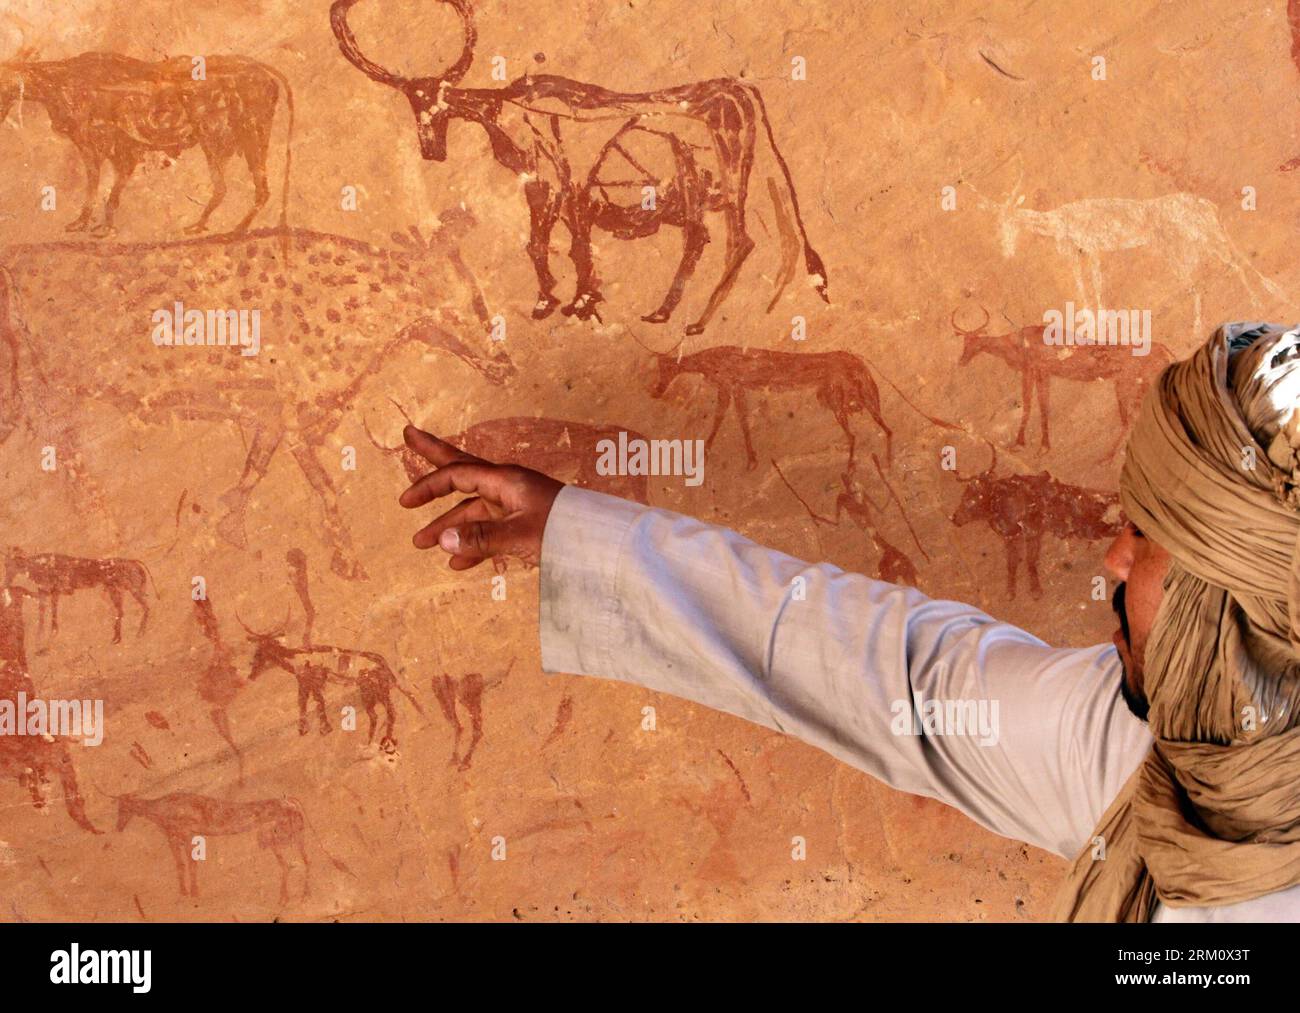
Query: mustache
x=1117, y=605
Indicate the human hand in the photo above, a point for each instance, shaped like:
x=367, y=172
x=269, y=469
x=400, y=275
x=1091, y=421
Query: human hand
x=505, y=516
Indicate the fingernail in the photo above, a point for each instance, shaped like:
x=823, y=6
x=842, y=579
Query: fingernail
x=450, y=540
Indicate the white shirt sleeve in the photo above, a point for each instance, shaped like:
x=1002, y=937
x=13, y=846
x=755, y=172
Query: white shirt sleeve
x=650, y=597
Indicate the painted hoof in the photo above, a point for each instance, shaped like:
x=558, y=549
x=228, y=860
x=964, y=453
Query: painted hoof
x=584, y=306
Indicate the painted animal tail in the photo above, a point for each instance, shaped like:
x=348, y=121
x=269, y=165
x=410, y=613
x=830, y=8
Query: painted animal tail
x=899, y=503
x=336, y=862
x=816, y=517
x=929, y=418
x=285, y=238
x=149, y=573
x=72, y=799
x=500, y=678
x=377, y=445
x=813, y=262
x=402, y=688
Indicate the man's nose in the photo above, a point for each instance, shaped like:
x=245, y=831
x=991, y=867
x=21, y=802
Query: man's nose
x=1119, y=556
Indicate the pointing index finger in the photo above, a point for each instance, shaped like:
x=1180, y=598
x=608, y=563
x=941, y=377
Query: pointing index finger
x=437, y=452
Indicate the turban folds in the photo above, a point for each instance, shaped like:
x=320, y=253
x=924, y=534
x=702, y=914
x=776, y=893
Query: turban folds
x=1212, y=474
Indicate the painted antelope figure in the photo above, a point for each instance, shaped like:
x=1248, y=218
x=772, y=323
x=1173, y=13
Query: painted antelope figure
x=840, y=381
x=118, y=110
x=573, y=143
x=184, y=815
x=1021, y=509
x=558, y=447
x=314, y=665
x=1038, y=363
x=55, y=575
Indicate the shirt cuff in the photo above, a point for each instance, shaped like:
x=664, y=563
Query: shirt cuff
x=581, y=550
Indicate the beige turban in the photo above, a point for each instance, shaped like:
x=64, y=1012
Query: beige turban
x=1212, y=474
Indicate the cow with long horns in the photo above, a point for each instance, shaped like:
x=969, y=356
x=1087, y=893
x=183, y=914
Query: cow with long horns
x=690, y=148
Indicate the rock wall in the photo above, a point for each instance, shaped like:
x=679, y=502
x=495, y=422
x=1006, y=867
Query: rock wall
x=918, y=186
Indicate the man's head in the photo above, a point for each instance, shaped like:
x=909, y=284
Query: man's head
x=1209, y=636
x=1210, y=576
x=1140, y=565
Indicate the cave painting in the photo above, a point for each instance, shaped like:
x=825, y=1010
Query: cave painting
x=453, y=692
x=313, y=666
x=35, y=406
x=1038, y=363
x=693, y=146
x=119, y=110
x=219, y=682
x=32, y=760
x=1021, y=509
x=559, y=447
x=841, y=382
x=1184, y=228
x=184, y=815
x=54, y=574
x=296, y=560
x=296, y=400
x=892, y=565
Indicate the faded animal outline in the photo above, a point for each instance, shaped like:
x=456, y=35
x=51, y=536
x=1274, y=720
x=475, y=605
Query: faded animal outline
x=117, y=109
x=1183, y=226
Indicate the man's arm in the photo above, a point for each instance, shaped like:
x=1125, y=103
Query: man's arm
x=650, y=597
x=664, y=601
